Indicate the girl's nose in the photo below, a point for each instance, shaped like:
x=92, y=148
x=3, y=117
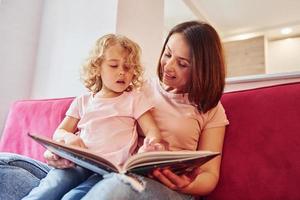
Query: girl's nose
x=121, y=72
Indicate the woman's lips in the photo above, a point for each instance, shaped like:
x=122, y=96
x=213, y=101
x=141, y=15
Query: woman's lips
x=169, y=77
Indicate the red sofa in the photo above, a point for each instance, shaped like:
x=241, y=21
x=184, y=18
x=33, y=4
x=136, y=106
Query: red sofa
x=261, y=149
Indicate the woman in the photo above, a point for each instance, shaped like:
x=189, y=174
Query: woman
x=188, y=112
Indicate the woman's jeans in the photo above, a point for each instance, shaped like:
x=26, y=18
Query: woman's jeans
x=19, y=175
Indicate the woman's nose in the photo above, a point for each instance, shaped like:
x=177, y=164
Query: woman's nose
x=169, y=65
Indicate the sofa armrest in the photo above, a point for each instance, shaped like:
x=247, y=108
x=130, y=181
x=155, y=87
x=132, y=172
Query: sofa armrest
x=35, y=116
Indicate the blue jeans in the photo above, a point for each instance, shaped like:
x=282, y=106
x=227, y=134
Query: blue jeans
x=19, y=175
x=114, y=187
x=64, y=184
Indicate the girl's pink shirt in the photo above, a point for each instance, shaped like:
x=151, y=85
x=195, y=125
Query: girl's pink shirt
x=107, y=126
x=179, y=121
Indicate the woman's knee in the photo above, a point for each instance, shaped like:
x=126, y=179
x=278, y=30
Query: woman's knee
x=36, y=168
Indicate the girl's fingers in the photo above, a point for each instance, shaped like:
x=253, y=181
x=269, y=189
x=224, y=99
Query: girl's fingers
x=56, y=161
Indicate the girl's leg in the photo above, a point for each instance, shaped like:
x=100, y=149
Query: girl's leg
x=83, y=188
x=57, y=183
x=19, y=175
x=114, y=187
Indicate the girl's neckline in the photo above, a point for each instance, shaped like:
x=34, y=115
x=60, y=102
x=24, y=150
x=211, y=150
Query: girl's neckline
x=97, y=96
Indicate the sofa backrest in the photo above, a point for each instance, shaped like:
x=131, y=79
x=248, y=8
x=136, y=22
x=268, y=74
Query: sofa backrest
x=262, y=145
x=261, y=148
x=34, y=116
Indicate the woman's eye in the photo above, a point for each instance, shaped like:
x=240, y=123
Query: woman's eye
x=168, y=55
x=183, y=65
x=113, y=66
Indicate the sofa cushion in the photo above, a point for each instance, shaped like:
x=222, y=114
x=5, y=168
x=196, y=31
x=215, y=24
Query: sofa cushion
x=35, y=116
x=262, y=144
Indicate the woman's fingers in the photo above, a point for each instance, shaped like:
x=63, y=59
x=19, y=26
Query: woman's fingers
x=171, y=180
x=180, y=181
x=163, y=179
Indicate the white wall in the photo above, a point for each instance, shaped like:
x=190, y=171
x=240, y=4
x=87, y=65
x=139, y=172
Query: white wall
x=283, y=55
x=19, y=35
x=143, y=21
x=43, y=44
x=68, y=31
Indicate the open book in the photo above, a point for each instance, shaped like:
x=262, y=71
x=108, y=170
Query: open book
x=142, y=163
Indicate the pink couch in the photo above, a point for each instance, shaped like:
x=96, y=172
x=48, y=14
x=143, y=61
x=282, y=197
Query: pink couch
x=261, y=149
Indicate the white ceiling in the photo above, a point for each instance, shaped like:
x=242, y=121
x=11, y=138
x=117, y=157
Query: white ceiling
x=236, y=17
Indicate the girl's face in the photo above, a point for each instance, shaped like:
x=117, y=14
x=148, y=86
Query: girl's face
x=115, y=72
x=176, y=63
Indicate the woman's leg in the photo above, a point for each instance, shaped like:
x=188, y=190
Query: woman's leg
x=83, y=188
x=114, y=187
x=19, y=175
x=57, y=183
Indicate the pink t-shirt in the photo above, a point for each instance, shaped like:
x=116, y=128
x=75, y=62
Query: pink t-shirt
x=179, y=121
x=108, y=125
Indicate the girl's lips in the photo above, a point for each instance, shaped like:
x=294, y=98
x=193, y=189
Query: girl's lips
x=123, y=82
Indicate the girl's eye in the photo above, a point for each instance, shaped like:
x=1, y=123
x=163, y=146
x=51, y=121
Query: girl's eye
x=113, y=66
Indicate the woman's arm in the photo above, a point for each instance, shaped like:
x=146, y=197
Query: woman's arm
x=204, y=179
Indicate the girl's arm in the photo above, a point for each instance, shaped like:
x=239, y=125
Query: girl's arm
x=65, y=132
x=203, y=180
x=151, y=132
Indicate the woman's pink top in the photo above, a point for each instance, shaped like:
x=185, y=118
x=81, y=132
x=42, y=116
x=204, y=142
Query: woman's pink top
x=179, y=121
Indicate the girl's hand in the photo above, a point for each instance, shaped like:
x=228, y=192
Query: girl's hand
x=174, y=181
x=56, y=161
x=152, y=144
x=73, y=139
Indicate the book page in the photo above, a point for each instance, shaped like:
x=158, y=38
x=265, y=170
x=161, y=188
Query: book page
x=168, y=158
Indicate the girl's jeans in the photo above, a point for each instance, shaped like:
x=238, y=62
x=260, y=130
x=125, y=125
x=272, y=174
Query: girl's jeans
x=20, y=174
x=64, y=184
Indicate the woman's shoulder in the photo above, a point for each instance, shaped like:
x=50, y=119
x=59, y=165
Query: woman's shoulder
x=216, y=116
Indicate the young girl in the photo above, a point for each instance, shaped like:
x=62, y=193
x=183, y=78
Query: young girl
x=105, y=119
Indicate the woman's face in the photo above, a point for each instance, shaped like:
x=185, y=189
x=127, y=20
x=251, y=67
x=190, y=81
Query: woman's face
x=176, y=63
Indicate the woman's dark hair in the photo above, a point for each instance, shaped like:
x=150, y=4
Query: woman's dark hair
x=207, y=78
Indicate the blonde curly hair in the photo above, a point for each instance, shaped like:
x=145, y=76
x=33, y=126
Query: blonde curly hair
x=90, y=73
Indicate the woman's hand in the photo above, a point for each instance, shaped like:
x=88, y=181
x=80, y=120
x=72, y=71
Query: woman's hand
x=56, y=161
x=174, y=181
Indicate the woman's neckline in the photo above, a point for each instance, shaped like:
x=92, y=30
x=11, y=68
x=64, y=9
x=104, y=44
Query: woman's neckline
x=169, y=93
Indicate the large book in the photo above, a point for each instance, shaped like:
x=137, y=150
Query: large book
x=141, y=163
